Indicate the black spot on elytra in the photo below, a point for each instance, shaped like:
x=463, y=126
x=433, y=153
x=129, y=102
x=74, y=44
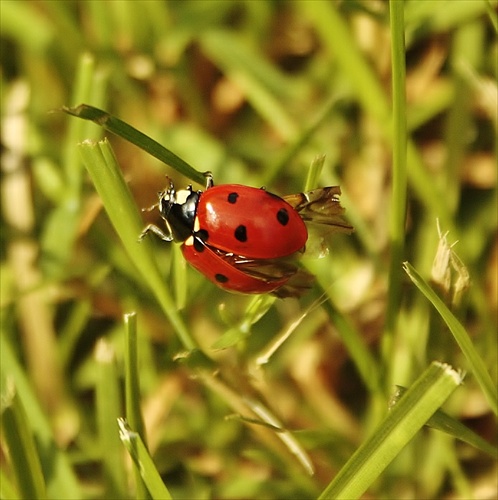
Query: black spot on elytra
x=202, y=234
x=283, y=216
x=220, y=278
x=241, y=233
x=232, y=198
x=198, y=245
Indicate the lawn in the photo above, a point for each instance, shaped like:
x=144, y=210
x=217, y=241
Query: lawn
x=125, y=373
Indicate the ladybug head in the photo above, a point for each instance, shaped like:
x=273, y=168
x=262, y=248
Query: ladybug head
x=178, y=210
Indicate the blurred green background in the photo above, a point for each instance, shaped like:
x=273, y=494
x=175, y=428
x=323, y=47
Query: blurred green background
x=253, y=91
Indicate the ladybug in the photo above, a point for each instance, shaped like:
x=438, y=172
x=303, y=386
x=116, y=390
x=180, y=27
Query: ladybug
x=244, y=239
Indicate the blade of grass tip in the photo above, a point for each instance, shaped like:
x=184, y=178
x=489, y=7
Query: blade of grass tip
x=108, y=404
x=405, y=419
x=314, y=173
x=132, y=392
x=441, y=421
x=131, y=134
x=462, y=338
x=121, y=209
x=264, y=355
x=22, y=449
x=63, y=483
x=284, y=435
x=143, y=461
x=399, y=181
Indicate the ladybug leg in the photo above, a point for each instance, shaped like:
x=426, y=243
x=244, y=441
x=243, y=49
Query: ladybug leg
x=152, y=228
x=209, y=179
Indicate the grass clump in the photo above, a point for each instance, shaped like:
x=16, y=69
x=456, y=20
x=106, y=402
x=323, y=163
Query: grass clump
x=230, y=396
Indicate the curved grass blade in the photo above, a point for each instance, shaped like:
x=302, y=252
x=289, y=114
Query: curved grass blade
x=397, y=211
x=131, y=134
x=461, y=336
x=441, y=421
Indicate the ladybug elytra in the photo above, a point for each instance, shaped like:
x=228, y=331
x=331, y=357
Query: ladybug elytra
x=243, y=238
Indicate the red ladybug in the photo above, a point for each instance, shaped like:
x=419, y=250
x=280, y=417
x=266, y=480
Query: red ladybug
x=243, y=238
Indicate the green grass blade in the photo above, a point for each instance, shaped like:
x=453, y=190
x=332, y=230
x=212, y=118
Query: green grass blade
x=63, y=482
x=132, y=385
x=461, y=336
x=441, y=421
x=314, y=172
x=131, y=134
x=143, y=462
x=419, y=403
x=445, y=423
x=365, y=362
x=22, y=449
x=399, y=178
x=120, y=206
x=132, y=391
x=108, y=410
